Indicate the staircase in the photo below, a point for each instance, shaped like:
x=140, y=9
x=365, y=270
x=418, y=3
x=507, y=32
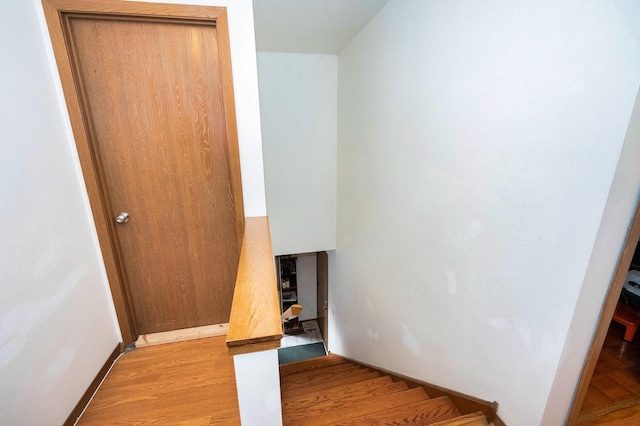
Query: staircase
x=334, y=391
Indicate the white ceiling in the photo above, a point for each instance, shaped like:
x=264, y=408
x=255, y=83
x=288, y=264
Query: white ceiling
x=310, y=26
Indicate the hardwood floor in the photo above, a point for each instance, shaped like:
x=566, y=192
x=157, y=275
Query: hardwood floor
x=186, y=383
x=613, y=397
x=193, y=383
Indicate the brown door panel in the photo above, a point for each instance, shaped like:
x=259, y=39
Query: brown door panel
x=154, y=102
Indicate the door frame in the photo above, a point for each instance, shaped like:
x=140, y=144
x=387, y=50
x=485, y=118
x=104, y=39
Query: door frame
x=608, y=307
x=322, y=289
x=57, y=13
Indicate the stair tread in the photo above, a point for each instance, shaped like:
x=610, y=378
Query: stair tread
x=320, y=371
x=415, y=413
x=327, y=372
x=312, y=364
x=341, y=396
x=332, y=390
x=472, y=419
x=298, y=389
x=342, y=414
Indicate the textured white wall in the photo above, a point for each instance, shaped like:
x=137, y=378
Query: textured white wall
x=477, y=142
x=298, y=107
x=57, y=325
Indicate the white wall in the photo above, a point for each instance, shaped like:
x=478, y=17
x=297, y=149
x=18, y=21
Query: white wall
x=258, y=386
x=298, y=107
x=477, y=142
x=618, y=214
x=57, y=325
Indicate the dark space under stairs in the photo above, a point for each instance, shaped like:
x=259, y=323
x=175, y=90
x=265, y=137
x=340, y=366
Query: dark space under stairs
x=333, y=391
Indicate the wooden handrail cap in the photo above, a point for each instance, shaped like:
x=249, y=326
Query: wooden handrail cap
x=254, y=323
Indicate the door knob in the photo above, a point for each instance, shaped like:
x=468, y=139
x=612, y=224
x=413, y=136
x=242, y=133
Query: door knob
x=123, y=217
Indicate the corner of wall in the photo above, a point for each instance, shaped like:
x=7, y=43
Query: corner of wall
x=620, y=207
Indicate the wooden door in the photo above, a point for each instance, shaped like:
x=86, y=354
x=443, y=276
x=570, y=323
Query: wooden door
x=323, y=294
x=152, y=95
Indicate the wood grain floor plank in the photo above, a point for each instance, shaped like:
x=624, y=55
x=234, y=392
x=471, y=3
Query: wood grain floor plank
x=312, y=364
x=314, y=388
x=473, y=419
x=610, y=387
x=326, y=373
x=321, y=376
x=415, y=413
x=344, y=414
x=594, y=399
x=626, y=417
x=186, y=383
x=340, y=397
x=613, y=396
x=605, y=410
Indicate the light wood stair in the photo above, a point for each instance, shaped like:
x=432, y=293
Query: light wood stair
x=334, y=391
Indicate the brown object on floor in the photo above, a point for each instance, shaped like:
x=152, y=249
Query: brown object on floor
x=629, y=317
x=613, y=396
x=334, y=391
x=179, y=383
